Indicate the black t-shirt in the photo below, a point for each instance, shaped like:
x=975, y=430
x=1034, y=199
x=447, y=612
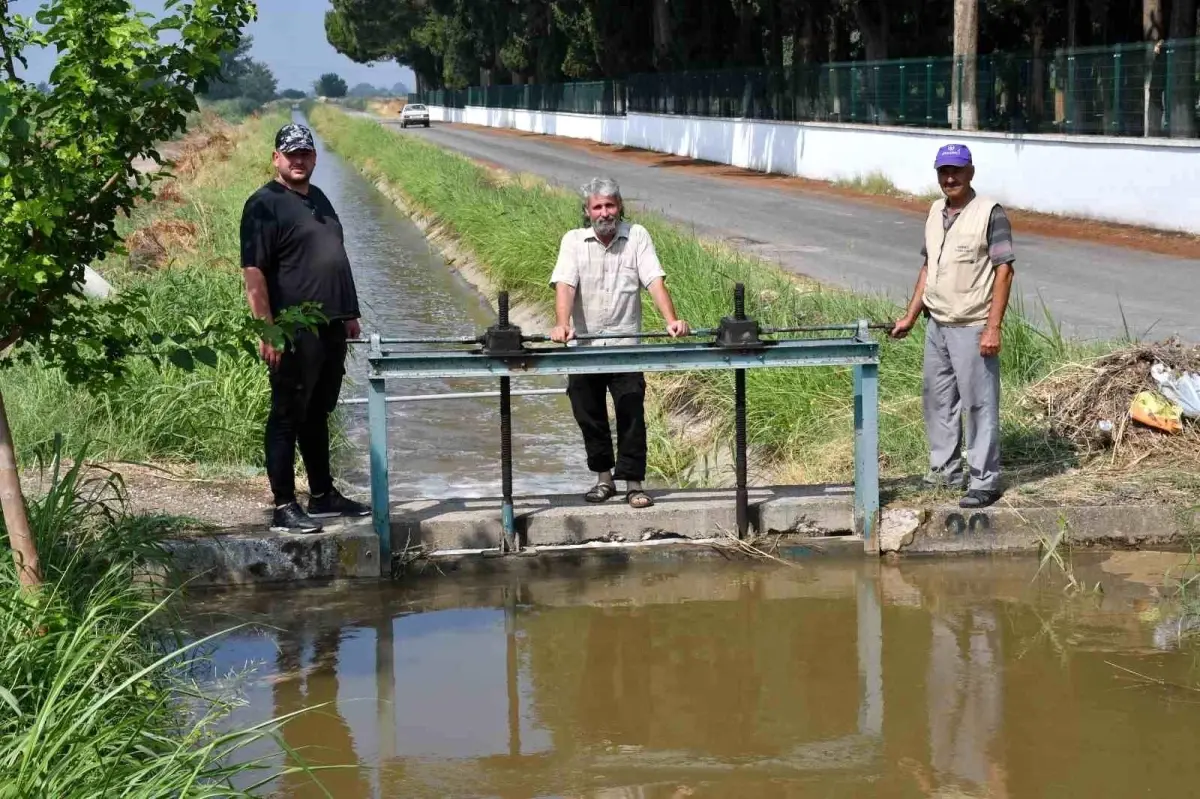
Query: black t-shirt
x=297, y=242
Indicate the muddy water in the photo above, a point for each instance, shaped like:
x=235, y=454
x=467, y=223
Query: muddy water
x=446, y=448
x=953, y=679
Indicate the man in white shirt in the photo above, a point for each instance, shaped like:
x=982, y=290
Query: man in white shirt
x=598, y=279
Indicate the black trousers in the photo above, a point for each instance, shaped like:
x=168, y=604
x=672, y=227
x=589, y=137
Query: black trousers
x=588, y=401
x=304, y=391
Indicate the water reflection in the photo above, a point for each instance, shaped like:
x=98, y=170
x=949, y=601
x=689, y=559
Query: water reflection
x=846, y=680
x=449, y=448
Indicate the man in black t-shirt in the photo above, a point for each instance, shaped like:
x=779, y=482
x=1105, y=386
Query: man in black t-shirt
x=293, y=252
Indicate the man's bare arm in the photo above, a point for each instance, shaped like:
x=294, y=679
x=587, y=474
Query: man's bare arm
x=256, y=293
x=915, y=306
x=1000, y=293
x=917, y=303
x=260, y=306
x=564, y=301
x=989, y=339
x=662, y=301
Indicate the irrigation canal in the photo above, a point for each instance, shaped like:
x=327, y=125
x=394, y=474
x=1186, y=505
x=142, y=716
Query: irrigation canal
x=954, y=678
x=445, y=448
x=958, y=678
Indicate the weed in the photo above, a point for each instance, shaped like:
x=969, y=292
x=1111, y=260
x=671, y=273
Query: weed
x=1057, y=549
x=93, y=674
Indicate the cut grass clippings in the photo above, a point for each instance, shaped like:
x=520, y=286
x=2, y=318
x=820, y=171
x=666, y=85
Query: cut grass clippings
x=183, y=251
x=799, y=420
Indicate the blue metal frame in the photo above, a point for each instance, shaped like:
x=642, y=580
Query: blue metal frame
x=859, y=352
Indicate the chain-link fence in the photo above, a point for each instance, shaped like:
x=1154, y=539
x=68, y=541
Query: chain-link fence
x=1124, y=90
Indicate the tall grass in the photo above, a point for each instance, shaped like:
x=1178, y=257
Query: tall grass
x=210, y=415
x=801, y=419
x=94, y=695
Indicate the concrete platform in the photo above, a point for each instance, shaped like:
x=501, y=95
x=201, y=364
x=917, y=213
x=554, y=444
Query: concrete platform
x=553, y=520
x=559, y=532
x=342, y=551
x=1006, y=529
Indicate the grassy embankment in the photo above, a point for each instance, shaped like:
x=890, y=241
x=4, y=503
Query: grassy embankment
x=96, y=697
x=800, y=420
x=183, y=251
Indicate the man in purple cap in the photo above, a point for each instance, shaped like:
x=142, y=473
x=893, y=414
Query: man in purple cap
x=962, y=290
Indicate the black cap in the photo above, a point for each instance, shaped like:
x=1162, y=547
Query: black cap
x=292, y=138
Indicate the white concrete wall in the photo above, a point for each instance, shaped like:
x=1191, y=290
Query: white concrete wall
x=1149, y=182
x=575, y=126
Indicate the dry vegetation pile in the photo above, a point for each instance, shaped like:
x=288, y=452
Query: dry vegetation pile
x=1078, y=397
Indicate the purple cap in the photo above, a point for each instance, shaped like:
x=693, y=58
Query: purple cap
x=953, y=155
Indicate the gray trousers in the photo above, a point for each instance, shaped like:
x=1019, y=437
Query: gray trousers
x=957, y=377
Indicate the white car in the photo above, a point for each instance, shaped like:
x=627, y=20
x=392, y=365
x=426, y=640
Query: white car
x=414, y=114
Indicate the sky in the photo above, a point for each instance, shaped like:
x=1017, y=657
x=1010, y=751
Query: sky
x=289, y=37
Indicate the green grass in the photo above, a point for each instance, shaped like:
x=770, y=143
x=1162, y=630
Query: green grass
x=210, y=416
x=880, y=184
x=95, y=697
x=799, y=419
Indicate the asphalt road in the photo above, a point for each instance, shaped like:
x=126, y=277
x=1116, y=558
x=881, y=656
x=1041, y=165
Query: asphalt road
x=1085, y=287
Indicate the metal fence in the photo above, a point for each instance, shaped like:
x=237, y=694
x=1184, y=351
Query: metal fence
x=605, y=97
x=1134, y=89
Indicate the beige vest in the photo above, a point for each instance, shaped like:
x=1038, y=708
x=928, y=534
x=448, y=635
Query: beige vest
x=960, y=275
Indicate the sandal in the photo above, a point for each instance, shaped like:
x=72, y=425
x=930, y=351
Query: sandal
x=979, y=498
x=638, y=499
x=600, y=492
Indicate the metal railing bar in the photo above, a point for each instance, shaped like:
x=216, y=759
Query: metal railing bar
x=529, y=392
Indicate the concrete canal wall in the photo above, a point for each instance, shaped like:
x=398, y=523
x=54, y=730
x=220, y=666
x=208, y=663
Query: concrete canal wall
x=1145, y=182
x=792, y=522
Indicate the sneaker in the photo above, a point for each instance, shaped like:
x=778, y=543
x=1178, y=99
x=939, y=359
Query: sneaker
x=292, y=519
x=978, y=498
x=334, y=504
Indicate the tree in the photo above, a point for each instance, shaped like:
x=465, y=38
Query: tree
x=1153, y=31
x=235, y=62
x=293, y=94
x=364, y=90
x=966, y=56
x=258, y=83
x=330, y=85
x=120, y=85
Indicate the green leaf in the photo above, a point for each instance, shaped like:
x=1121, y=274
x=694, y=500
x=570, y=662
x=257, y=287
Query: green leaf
x=10, y=700
x=183, y=359
x=20, y=128
x=4, y=162
x=206, y=356
x=157, y=338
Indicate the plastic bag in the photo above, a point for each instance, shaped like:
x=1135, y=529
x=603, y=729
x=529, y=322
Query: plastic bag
x=1183, y=390
x=1153, y=411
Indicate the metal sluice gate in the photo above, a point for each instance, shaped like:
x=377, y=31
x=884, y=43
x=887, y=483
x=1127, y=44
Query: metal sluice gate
x=737, y=343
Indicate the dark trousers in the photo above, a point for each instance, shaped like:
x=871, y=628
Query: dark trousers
x=304, y=391
x=588, y=401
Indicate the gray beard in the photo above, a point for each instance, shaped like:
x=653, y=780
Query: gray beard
x=605, y=228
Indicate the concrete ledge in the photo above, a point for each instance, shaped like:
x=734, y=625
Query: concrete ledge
x=947, y=530
x=341, y=551
x=561, y=532
x=553, y=520
x=562, y=559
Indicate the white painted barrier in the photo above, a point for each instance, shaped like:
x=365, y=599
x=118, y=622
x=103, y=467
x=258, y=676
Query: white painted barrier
x=1149, y=182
